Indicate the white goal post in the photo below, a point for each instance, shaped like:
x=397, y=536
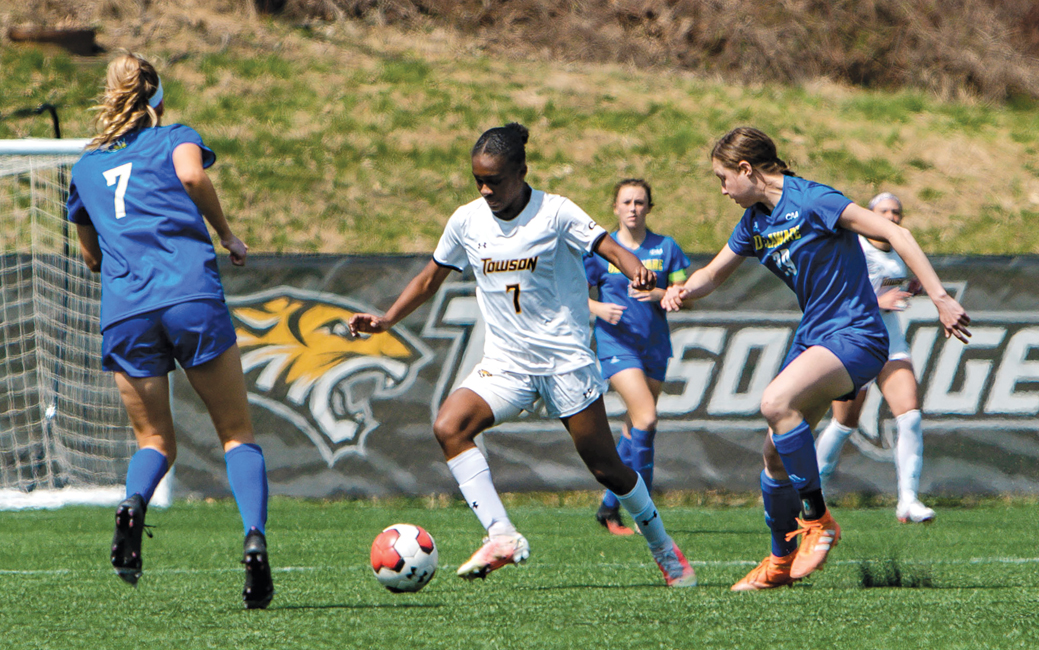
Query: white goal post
x=64, y=435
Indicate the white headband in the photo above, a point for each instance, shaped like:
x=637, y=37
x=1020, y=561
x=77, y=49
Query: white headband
x=884, y=196
x=156, y=99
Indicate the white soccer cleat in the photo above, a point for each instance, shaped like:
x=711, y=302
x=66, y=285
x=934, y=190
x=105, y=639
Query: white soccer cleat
x=495, y=553
x=914, y=512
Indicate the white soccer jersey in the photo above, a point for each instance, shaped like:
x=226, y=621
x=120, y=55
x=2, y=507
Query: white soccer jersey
x=530, y=280
x=886, y=269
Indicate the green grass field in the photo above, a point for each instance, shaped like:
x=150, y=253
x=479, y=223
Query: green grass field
x=975, y=569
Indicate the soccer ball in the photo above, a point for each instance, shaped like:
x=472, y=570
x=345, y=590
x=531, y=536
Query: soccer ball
x=404, y=558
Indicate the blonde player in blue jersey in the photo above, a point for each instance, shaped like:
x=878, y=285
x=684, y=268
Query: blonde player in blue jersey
x=138, y=197
x=525, y=248
x=632, y=338
x=897, y=382
x=806, y=234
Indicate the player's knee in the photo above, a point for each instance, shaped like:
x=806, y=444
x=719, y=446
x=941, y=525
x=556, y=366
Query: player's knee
x=448, y=431
x=646, y=422
x=774, y=407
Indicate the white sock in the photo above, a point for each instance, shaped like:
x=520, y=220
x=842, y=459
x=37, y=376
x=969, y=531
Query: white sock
x=828, y=448
x=473, y=475
x=909, y=455
x=640, y=506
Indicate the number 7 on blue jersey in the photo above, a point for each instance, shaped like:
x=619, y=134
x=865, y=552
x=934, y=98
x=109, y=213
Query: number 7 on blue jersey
x=120, y=175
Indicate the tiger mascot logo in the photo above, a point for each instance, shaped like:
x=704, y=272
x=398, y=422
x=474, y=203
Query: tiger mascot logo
x=302, y=363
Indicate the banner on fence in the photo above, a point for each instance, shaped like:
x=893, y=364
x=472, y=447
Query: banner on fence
x=338, y=416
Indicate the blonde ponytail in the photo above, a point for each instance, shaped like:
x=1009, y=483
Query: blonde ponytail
x=129, y=84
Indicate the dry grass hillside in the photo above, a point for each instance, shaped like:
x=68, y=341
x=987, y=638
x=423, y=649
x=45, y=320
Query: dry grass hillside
x=343, y=126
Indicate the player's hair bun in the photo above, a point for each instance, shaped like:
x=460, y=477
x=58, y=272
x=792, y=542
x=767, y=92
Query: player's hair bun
x=522, y=132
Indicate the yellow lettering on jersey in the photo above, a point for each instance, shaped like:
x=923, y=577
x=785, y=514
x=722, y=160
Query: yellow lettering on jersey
x=501, y=266
x=650, y=264
x=776, y=239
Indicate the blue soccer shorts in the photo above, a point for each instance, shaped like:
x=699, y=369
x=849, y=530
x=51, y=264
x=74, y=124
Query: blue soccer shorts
x=654, y=366
x=863, y=355
x=146, y=345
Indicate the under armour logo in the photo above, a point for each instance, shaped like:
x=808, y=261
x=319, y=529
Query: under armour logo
x=482, y=244
x=474, y=505
x=645, y=522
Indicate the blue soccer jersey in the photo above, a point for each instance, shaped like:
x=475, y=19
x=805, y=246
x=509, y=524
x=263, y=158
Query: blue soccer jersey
x=643, y=326
x=801, y=243
x=156, y=250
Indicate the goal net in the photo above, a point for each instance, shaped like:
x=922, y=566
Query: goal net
x=64, y=435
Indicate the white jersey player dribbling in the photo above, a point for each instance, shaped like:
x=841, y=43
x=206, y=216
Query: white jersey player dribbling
x=526, y=249
x=532, y=291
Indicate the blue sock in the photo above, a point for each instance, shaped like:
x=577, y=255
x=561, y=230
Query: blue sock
x=624, y=451
x=782, y=505
x=797, y=450
x=642, y=454
x=147, y=467
x=247, y=474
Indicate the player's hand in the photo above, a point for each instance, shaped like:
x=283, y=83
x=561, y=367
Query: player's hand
x=237, y=248
x=610, y=312
x=673, y=297
x=644, y=279
x=641, y=296
x=953, y=317
x=894, y=300
x=367, y=324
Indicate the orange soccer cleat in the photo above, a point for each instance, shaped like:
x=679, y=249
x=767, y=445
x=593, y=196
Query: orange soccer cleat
x=771, y=573
x=819, y=537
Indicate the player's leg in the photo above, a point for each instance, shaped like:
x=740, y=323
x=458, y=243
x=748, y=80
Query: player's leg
x=608, y=515
x=476, y=405
x=204, y=340
x=898, y=384
x=136, y=351
x=147, y=404
x=793, y=403
x=220, y=384
x=590, y=431
x=639, y=393
x=830, y=442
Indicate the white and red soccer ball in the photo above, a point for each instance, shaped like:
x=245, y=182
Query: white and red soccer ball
x=404, y=558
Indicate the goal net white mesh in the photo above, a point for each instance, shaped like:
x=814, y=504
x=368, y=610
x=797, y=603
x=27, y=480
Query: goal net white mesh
x=64, y=435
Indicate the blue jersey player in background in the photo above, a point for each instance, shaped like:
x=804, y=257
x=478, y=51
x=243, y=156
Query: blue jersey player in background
x=632, y=339
x=138, y=197
x=806, y=234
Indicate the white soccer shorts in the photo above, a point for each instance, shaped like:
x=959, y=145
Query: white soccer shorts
x=508, y=393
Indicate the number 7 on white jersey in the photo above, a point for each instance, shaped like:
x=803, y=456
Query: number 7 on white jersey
x=120, y=174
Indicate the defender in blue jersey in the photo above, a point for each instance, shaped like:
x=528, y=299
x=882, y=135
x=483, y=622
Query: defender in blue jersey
x=806, y=234
x=140, y=197
x=633, y=341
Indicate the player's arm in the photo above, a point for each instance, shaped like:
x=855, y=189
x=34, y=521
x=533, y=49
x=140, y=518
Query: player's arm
x=859, y=220
x=704, y=280
x=641, y=278
x=89, y=246
x=419, y=290
x=187, y=162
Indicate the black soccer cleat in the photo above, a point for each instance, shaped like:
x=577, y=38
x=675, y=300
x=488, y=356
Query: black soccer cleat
x=126, y=542
x=259, y=589
x=610, y=519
